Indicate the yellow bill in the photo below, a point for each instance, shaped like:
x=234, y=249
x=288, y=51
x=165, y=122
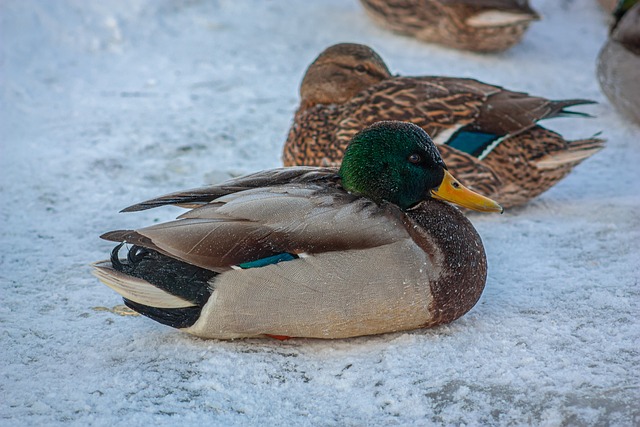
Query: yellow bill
x=452, y=191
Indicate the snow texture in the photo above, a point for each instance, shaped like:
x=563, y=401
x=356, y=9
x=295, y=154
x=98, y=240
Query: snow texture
x=104, y=104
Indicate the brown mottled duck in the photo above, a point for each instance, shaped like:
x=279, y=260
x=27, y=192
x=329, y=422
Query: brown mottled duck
x=475, y=25
x=488, y=136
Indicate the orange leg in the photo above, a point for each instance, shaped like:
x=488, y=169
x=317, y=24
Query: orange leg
x=278, y=337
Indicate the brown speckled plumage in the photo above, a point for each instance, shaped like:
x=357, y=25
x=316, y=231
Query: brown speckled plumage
x=476, y=25
x=527, y=161
x=450, y=302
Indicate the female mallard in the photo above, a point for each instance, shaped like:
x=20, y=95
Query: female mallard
x=476, y=25
x=619, y=61
x=312, y=252
x=487, y=135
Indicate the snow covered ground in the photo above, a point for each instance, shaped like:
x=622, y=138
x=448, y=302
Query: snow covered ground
x=103, y=104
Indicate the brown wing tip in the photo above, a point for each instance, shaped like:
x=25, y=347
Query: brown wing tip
x=187, y=199
x=579, y=101
x=117, y=235
x=138, y=207
x=169, y=199
x=560, y=108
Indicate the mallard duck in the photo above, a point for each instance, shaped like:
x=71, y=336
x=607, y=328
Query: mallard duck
x=619, y=61
x=476, y=25
x=487, y=135
x=312, y=252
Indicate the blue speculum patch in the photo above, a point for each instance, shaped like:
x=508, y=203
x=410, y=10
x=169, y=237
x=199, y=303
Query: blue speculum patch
x=273, y=259
x=471, y=142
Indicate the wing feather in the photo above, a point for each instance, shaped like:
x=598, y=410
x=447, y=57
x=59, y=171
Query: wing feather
x=260, y=222
x=204, y=195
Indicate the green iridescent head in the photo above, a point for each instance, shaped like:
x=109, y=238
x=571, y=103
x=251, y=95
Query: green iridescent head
x=392, y=161
x=398, y=162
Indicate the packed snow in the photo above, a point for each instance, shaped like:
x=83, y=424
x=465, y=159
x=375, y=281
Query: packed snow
x=104, y=104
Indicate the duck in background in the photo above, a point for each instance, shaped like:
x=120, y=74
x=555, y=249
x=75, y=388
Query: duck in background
x=487, y=135
x=619, y=61
x=608, y=5
x=312, y=252
x=475, y=25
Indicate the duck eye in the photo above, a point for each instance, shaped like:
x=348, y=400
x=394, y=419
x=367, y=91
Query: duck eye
x=415, y=158
x=361, y=69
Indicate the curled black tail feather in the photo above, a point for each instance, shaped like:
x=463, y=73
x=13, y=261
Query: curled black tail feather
x=171, y=275
x=175, y=277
